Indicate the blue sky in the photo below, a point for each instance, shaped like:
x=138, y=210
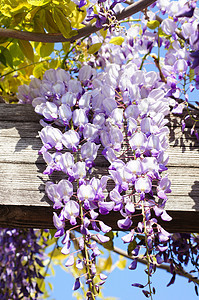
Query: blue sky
x=119, y=283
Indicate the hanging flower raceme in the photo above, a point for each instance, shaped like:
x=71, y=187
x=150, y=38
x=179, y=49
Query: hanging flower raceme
x=80, y=117
x=21, y=264
x=118, y=112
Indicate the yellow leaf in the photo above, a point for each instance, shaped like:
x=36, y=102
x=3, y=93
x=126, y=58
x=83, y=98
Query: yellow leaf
x=94, y=48
x=66, y=47
x=49, y=22
x=5, y=53
x=50, y=286
x=41, y=284
x=162, y=33
x=39, y=70
x=77, y=16
x=153, y=24
x=103, y=33
x=57, y=254
x=38, y=2
x=52, y=270
x=77, y=295
x=62, y=22
x=27, y=49
x=65, y=9
x=9, y=7
x=121, y=264
x=191, y=74
x=108, y=264
x=17, y=18
x=118, y=40
x=54, y=64
x=46, y=49
x=30, y=15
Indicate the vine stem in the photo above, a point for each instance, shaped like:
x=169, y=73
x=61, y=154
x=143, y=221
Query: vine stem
x=85, y=31
x=147, y=250
x=143, y=60
x=86, y=254
x=91, y=283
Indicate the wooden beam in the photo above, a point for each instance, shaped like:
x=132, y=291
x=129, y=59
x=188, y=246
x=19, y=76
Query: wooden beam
x=23, y=202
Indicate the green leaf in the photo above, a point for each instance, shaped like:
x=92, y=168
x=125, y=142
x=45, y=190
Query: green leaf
x=54, y=64
x=38, y=2
x=8, y=57
x=16, y=53
x=3, y=59
x=191, y=74
x=52, y=232
x=38, y=24
x=46, y=49
x=3, y=39
x=64, y=8
x=17, y=18
x=110, y=234
x=109, y=245
x=62, y=22
x=94, y=48
x=153, y=24
x=131, y=247
x=117, y=40
x=27, y=49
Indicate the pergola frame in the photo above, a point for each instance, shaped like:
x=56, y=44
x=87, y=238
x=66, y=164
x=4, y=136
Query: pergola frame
x=23, y=202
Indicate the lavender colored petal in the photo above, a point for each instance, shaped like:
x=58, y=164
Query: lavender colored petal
x=124, y=223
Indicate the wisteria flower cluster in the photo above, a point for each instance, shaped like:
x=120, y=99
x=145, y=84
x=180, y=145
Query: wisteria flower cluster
x=113, y=108
x=120, y=113
x=177, y=34
x=101, y=11
x=20, y=256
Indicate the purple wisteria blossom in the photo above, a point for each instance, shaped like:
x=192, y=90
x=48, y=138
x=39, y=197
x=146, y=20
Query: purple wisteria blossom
x=19, y=279
x=119, y=113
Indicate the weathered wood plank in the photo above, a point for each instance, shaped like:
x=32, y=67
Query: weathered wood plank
x=18, y=113
x=23, y=184
x=22, y=198
x=21, y=139
x=14, y=148
x=41, y=217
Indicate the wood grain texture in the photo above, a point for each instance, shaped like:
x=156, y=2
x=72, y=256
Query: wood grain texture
x=22, y=198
